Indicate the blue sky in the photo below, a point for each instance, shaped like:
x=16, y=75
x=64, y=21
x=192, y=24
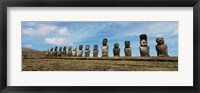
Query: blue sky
x=45, y=35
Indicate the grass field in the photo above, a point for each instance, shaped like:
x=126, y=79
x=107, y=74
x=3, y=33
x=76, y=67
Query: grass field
x=96, y=65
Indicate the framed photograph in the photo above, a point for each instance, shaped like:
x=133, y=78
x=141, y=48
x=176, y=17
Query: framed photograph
x=99, y=46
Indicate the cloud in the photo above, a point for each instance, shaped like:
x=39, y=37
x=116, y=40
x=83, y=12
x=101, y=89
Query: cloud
x=44, y=30
x=156, y=29
x=56, y=41
x=63, y=31
x=163, y=29
x=83, y=32
x=28, y=31
x=28, y=46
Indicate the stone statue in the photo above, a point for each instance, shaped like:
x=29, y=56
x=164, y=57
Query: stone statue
x=60, y=52
x=60, y=49
x=69, y=53
x=105, y=48
x=144, y=48
x=80, y=51
x=161, y=48
x=51, y=49
x=55, y=51
x=64, y=51
x=128, y=49
x=95, y=51
x=51, y=52
x=87, y=51
x=116, y=50
x=74, y=52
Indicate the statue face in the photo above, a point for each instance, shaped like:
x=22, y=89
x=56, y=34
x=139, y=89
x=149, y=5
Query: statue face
x=56, y=48
x=69, y=48
x=160, y=40
x=60, y=49
x=95, y=47
x=105, y=41
x=143, y=42
x=64, y=49
x=116, y=45
x=127, y=43
x=80, y=47
x=87, y=47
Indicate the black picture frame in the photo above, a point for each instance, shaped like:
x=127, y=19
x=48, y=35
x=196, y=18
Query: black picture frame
x=99, y=3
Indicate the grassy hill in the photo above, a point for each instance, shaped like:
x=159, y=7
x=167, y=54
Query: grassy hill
x=28, y=52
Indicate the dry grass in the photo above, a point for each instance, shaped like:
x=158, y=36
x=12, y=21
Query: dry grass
x=95, y=65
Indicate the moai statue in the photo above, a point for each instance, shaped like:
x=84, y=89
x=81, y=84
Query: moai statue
x=144, y=48
x=105, y=48
x=60, y=52
x=74, y=52
x=60, y=49
x=80, y=51
x=127, y=49
x=87, y=51
x=55, y=51
x=69, y=53
x=95, y=51
x=161, y=48
x=64, y=51
x=116, y=50
x=51, y=52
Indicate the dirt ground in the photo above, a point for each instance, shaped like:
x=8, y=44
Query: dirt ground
x=96, y=65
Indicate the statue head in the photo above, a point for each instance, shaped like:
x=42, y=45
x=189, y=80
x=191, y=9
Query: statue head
x=55, y=49
x=160, y=40
x=127, y=44
x=87, y=47
x=105, y=41
x=60, y=49
x=116, y=45
x=64, y=49
x=74, y=49
x=143, y=36
x=69, y=48
x=80, y=47
x=95, y=47
x=51, y=49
